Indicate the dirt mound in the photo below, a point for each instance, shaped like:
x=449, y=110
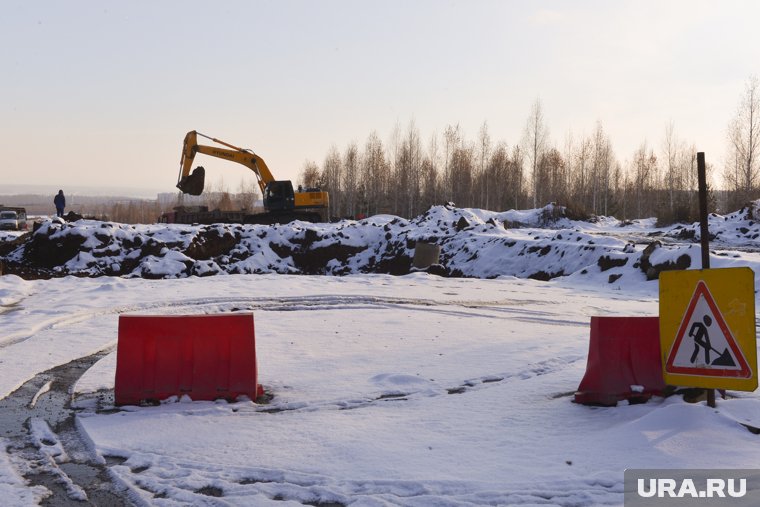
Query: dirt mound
x=472, y=243
x=90, y=248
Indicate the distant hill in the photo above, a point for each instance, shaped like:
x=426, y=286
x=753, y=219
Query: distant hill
x=127, y=192
x=114, y=205
x=42, y=204
x=38, y=199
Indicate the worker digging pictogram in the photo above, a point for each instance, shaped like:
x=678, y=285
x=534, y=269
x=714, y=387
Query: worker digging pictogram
x=701, y=337
x=704, y=344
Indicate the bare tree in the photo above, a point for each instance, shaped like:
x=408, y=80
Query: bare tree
x=691, y=184
x=310, y=177
x=351, y=178
x=431, y=173
x=679, y=182
x=644, y=179
x=550, y=175
x=134, y=211
x=408, y=171
x=670, y=161
x=225, y=202
x=374, y=176
x=497, y=173
x=429, y=188
x=601, y=167
x=484, y=152
x=741, y=175
x=452, y=141
x=534, y=144
x=462, y=165
x=582, y=177
x=331, y=178
x=517, y=175
x=394, y=155
x=248, y=193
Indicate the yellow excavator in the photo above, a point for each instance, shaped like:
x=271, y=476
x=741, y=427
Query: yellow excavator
x=281, y=202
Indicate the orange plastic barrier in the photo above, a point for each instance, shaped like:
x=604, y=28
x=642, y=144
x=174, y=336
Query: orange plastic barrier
x=623, y=361
x=204, y=356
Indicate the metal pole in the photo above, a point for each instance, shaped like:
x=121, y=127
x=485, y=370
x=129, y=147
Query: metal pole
x=704, y=234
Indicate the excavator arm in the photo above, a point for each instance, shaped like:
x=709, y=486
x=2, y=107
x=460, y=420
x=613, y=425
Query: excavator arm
x=192, y=183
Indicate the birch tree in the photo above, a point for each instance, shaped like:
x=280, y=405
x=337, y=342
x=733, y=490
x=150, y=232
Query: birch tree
x=331, y=176
x=374, y=174
x=452, y=141
x=310, y=177
x=484, y=152
x=535, y=139
x=743, y=159
x=350, y=178
x=644, y=179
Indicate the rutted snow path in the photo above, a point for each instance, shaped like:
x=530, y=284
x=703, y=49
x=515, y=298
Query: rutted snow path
x=42, y=440
x=412, y=390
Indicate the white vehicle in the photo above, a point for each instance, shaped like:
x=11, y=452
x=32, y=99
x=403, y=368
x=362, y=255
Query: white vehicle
x=9, y=220
x=13, y=219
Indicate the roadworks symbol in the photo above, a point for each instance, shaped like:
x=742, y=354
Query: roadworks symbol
x=704, y=344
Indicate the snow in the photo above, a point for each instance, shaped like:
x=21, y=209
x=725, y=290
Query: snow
x=387, y=390
x=540, y=244
x=13, y=488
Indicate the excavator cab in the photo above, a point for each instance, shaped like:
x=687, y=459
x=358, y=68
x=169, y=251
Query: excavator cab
x=279, y=196
x=193, y=183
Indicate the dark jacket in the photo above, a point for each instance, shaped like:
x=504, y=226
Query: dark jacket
x=59, y=200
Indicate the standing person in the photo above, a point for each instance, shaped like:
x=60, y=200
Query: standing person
x=60, y=203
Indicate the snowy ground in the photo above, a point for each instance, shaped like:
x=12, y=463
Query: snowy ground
x=413, y=390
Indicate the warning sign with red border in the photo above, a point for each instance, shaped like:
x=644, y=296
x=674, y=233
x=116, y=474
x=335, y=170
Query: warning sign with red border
x=707, y=328
x=710, y=348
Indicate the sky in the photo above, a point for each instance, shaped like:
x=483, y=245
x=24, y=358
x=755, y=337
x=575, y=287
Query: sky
x=102, y=93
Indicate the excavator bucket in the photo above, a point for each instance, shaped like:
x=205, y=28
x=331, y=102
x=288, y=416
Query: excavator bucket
x=193, y=183
x=203, y=356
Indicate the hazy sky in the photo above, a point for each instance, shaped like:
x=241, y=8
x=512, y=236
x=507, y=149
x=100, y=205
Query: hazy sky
x=103, y=92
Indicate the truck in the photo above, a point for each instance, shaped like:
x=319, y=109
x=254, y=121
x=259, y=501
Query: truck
x=13, y=218
x=282, y=204
x=202, y=215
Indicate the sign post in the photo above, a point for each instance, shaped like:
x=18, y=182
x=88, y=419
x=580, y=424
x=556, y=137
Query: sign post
x=704, y=232
x=707, y=320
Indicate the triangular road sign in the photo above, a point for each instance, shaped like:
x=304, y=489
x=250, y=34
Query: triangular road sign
x=704, y=344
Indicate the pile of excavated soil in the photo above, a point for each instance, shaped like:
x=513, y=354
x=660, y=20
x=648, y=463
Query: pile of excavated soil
x=473, y=243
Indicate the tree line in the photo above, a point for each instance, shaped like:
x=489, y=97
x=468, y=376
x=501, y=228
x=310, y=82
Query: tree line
x=405, y=175
x=147, y=211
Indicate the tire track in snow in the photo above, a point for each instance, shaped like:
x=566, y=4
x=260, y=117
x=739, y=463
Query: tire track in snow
x=546, y=367
x=39, y=425
x=237, y=485
x=296, y=303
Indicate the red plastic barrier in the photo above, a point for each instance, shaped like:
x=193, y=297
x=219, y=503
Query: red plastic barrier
x=623, y=352
x=204, y=356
